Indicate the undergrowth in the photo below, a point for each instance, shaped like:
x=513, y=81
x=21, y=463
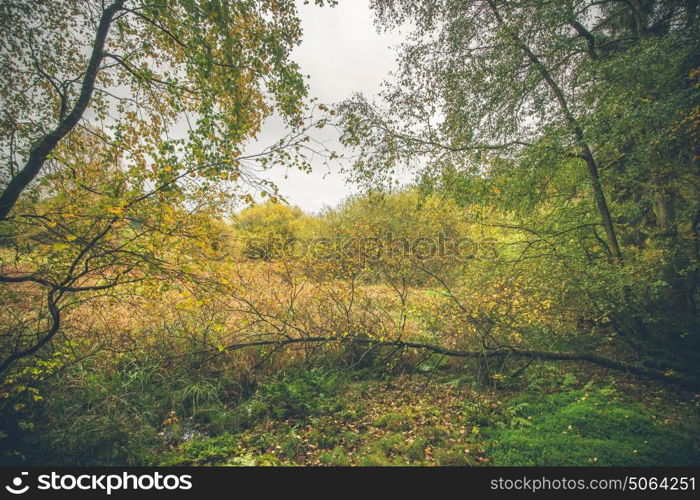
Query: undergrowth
x=319, y=417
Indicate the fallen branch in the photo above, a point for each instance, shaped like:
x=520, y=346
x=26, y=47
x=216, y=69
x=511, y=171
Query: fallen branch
x=634, y=369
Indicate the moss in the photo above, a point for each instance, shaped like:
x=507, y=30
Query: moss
x=208, y=450
x=267, y=460
x=374, y=460
x=453, y=456
x=587, y=427
x=391, y=444
x=337, y=456
x=416, y=450
x=324, y=439
x=396, y=421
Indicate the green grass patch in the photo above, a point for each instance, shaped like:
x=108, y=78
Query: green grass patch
x=591, y=426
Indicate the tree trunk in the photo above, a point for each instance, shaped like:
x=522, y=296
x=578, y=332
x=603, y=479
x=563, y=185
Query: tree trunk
x=586, y=152
x=47, y=143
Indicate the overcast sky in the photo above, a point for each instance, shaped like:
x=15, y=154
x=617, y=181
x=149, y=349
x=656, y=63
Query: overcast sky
x=342, y=53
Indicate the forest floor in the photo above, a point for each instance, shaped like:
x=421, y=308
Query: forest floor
x=559, y=418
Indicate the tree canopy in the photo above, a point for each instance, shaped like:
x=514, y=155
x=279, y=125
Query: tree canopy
x=123, y=124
